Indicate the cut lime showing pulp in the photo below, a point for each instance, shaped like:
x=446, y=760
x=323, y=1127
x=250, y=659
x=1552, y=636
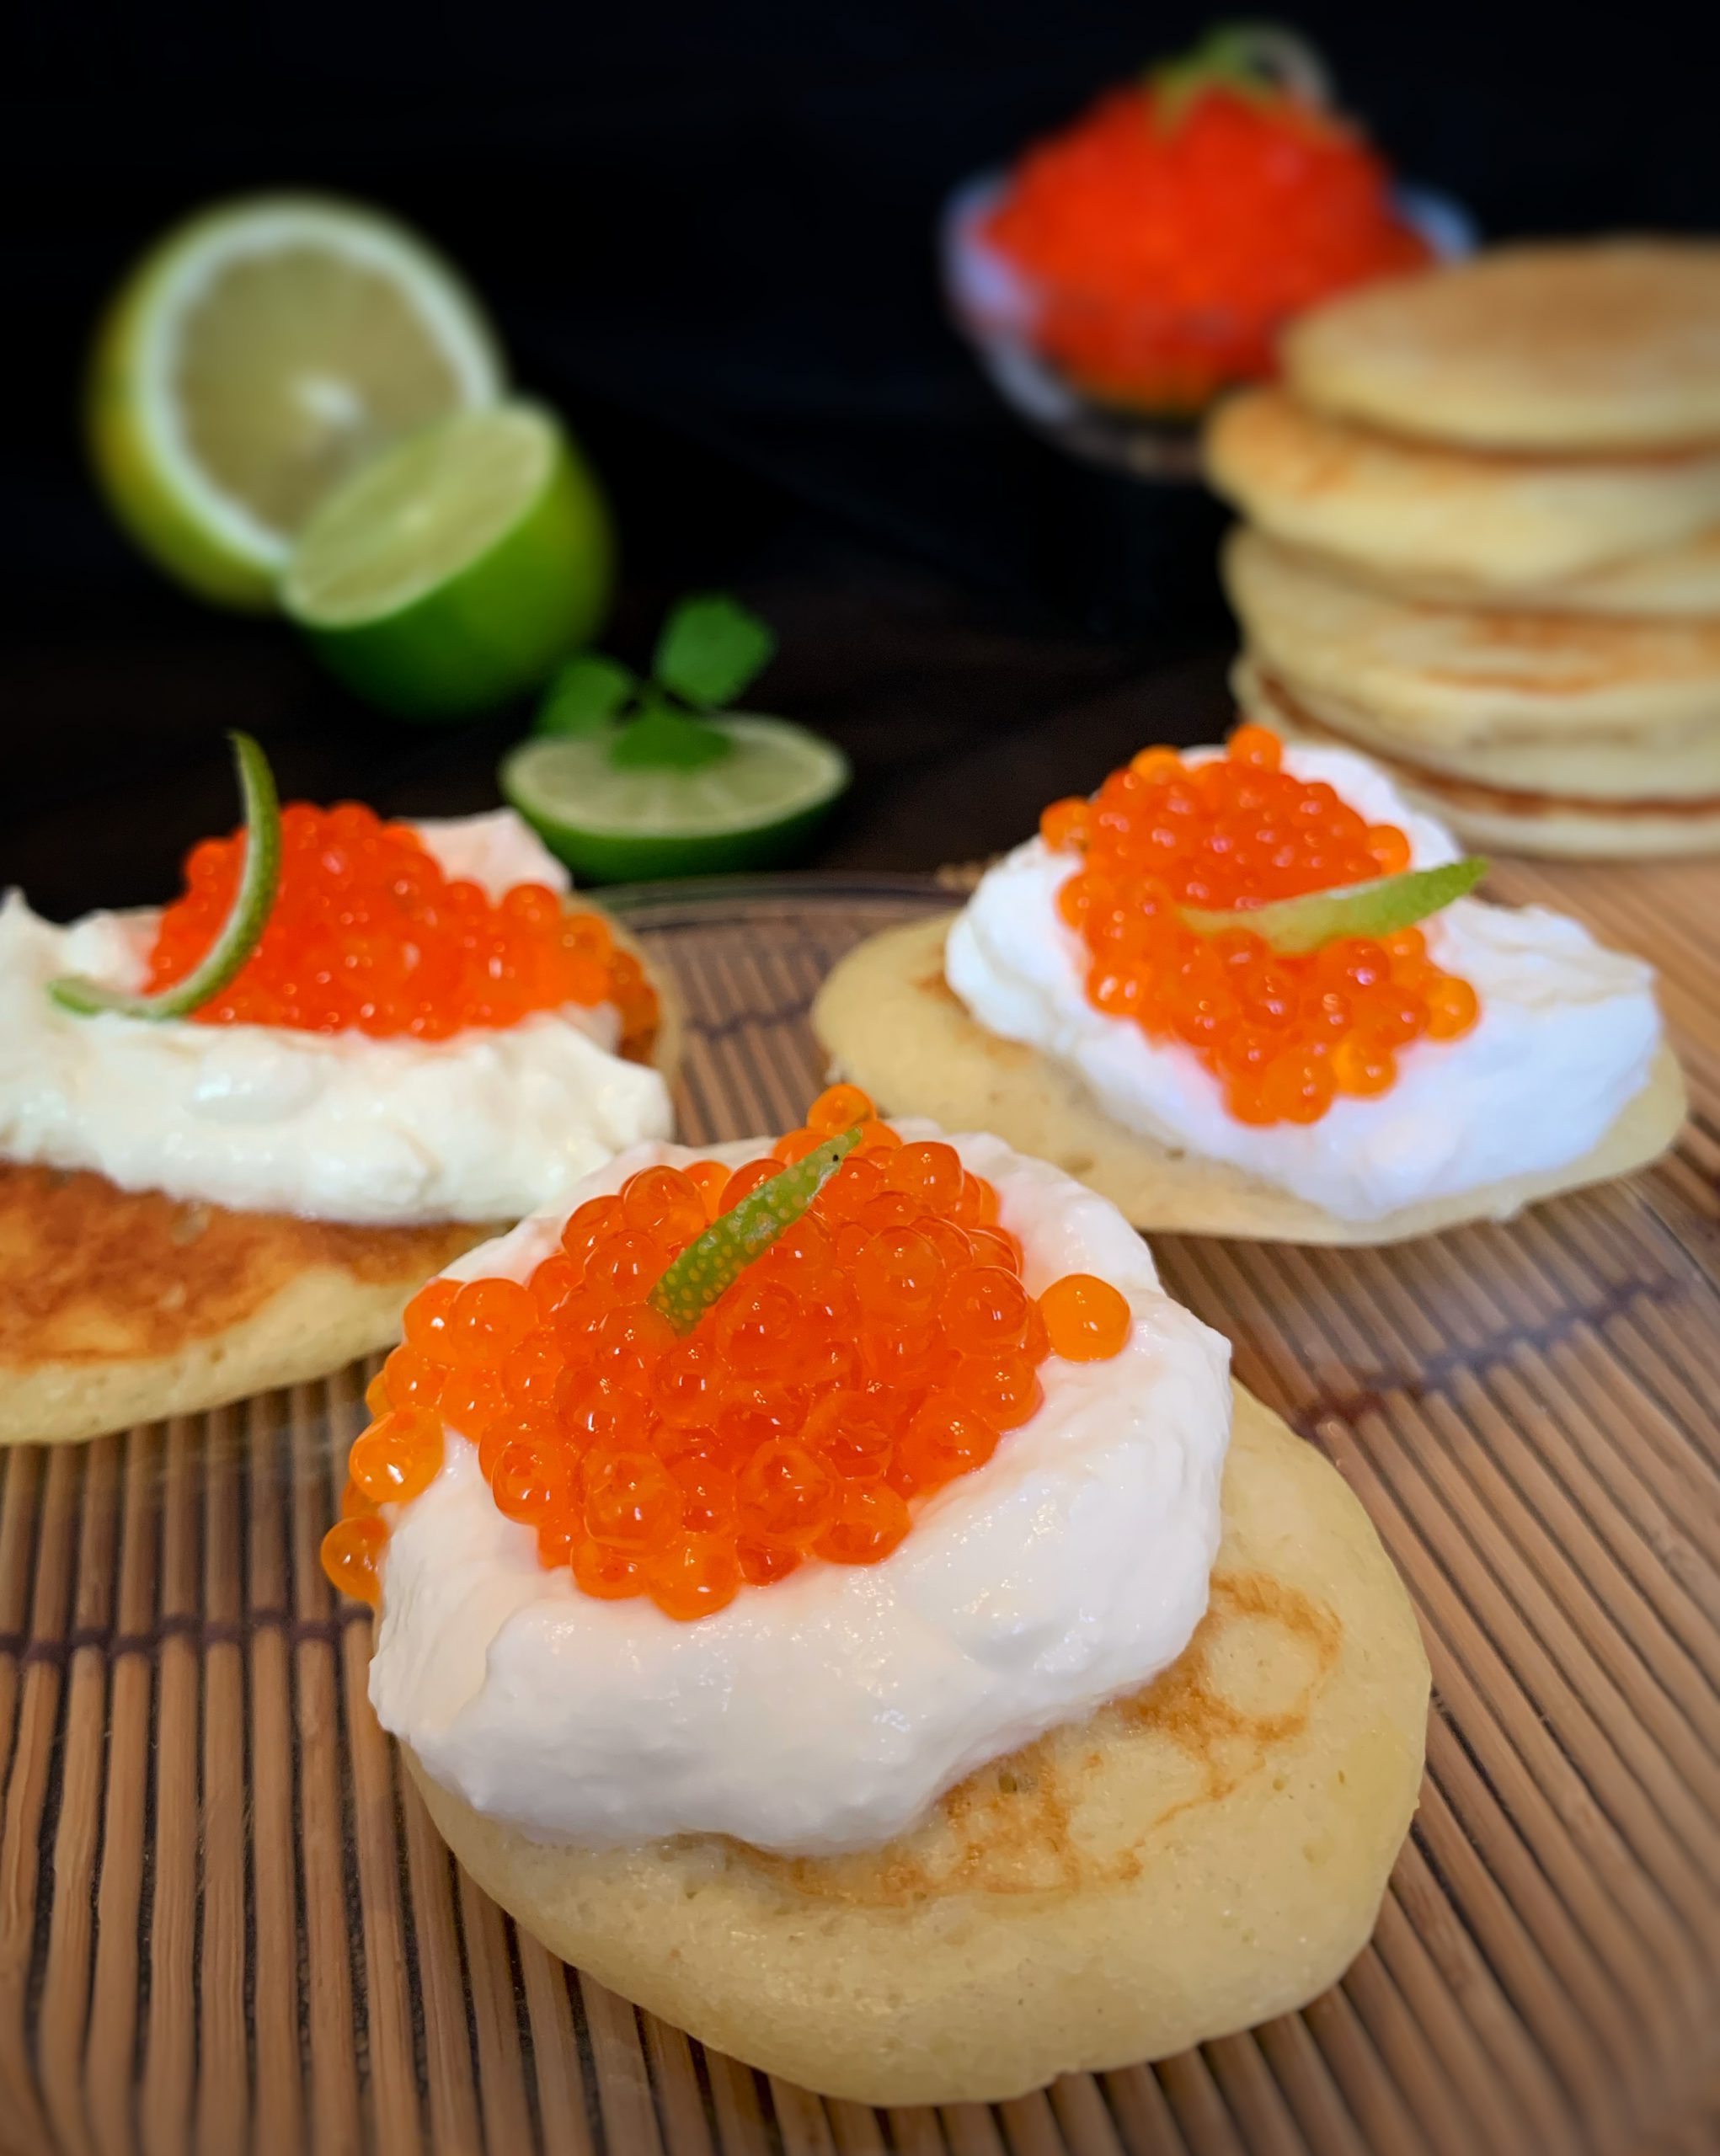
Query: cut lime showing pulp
x=751, y=808
x=457, y=568
x=257, y=356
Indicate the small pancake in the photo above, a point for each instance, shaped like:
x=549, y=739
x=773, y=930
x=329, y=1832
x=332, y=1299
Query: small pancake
x=1672, y=583
x=1652, y=817
x=1580, y=347
x=890, y=1021
x=1187, y=1862
x=119, y=1307
x=1401, y=512
x=1452, y=675
x=1680, y=770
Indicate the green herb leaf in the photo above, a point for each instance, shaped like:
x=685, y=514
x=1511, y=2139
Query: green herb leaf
x=585, y=695
x=713, y=1262
x=1378, y=908
x=242, y=931
x=710, y=647
x=665, y=737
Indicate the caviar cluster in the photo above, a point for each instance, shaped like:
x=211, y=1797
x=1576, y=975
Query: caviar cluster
x=1284, y=1035
x=879, y=1348
x=1168, y=252
x=367, y=932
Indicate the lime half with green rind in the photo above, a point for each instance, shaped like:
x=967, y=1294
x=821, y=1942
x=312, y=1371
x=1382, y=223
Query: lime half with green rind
x=754, y=808
x=260, y=353
x=458, y=569
x=1373, y=910
x=240, y=934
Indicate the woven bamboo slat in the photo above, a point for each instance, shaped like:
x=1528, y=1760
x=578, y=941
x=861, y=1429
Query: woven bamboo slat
x=225, y=1924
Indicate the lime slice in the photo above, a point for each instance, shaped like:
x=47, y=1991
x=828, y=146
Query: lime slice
x=241, y=932
x=751, y=808
x=457, y=568
x=258, y=354
x=1378, y=908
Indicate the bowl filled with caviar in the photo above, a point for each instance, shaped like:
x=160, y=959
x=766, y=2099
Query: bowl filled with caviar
x=1129, y=268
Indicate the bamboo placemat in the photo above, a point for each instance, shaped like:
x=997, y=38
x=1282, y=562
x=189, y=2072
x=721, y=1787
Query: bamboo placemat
x=226, y=1924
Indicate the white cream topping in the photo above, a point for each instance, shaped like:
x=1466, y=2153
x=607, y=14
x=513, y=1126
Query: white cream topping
x=1566, y=1034
x=828, y=1711
x=486, y=1126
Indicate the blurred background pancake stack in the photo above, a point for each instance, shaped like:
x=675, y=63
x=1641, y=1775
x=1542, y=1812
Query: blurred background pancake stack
x=1483, y=542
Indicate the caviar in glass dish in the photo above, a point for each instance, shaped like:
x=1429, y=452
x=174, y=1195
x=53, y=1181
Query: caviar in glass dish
x=1132, y=266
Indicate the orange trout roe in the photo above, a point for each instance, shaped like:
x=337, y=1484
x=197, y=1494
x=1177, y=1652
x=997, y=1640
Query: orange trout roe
x=1284, y=1035
x=1166, y=251
x=368, y=932
x=881, y=1347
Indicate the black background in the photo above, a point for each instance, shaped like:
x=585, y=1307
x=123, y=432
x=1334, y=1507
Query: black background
x=705, y=234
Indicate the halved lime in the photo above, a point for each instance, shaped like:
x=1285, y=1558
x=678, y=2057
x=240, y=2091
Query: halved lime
x=459, y=567
x=256, y=356
x=751, y=808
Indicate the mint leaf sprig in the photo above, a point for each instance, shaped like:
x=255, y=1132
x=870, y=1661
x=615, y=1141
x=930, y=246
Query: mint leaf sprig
x=709, y=650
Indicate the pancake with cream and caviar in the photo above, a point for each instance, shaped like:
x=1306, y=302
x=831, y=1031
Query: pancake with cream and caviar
x=1591, y=800
x=421, y=1040
x=1363, y=1088
x=1482, y=527
x=797, y=1602
x=1573, y=347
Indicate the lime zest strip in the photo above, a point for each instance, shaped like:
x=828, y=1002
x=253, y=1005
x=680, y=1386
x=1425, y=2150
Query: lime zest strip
x=242, y=931
x=1373, y=910
x=712, y=1262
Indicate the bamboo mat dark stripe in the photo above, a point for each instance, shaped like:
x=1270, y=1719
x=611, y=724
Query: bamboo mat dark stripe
x=225, y=1924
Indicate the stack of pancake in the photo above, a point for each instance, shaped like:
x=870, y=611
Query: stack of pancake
x=1483, y=542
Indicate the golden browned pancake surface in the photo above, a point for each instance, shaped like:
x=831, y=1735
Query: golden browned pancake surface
x=91, y=1273
x=118, y=1306
x=1186, y=1862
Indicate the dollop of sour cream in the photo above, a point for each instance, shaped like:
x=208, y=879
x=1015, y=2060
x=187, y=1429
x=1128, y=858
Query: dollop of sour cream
x=484, y=1126
x=1566, y=1034
x=828, y=1712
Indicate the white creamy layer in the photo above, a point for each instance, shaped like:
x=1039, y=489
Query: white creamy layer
x=486, y=1126
x=1566, y=1034
x=827, y=1712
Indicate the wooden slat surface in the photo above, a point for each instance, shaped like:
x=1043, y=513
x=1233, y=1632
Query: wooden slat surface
x=226, y=1924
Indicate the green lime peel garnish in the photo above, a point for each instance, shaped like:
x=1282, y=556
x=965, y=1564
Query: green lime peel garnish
x=241, y=933
x=1259, y=61
x=1371, y=910
x=713, y=1262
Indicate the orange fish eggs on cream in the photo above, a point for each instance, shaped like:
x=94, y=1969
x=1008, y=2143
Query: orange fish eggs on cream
x=1285, y=1034
x=877, y=1350
x=368, y=930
